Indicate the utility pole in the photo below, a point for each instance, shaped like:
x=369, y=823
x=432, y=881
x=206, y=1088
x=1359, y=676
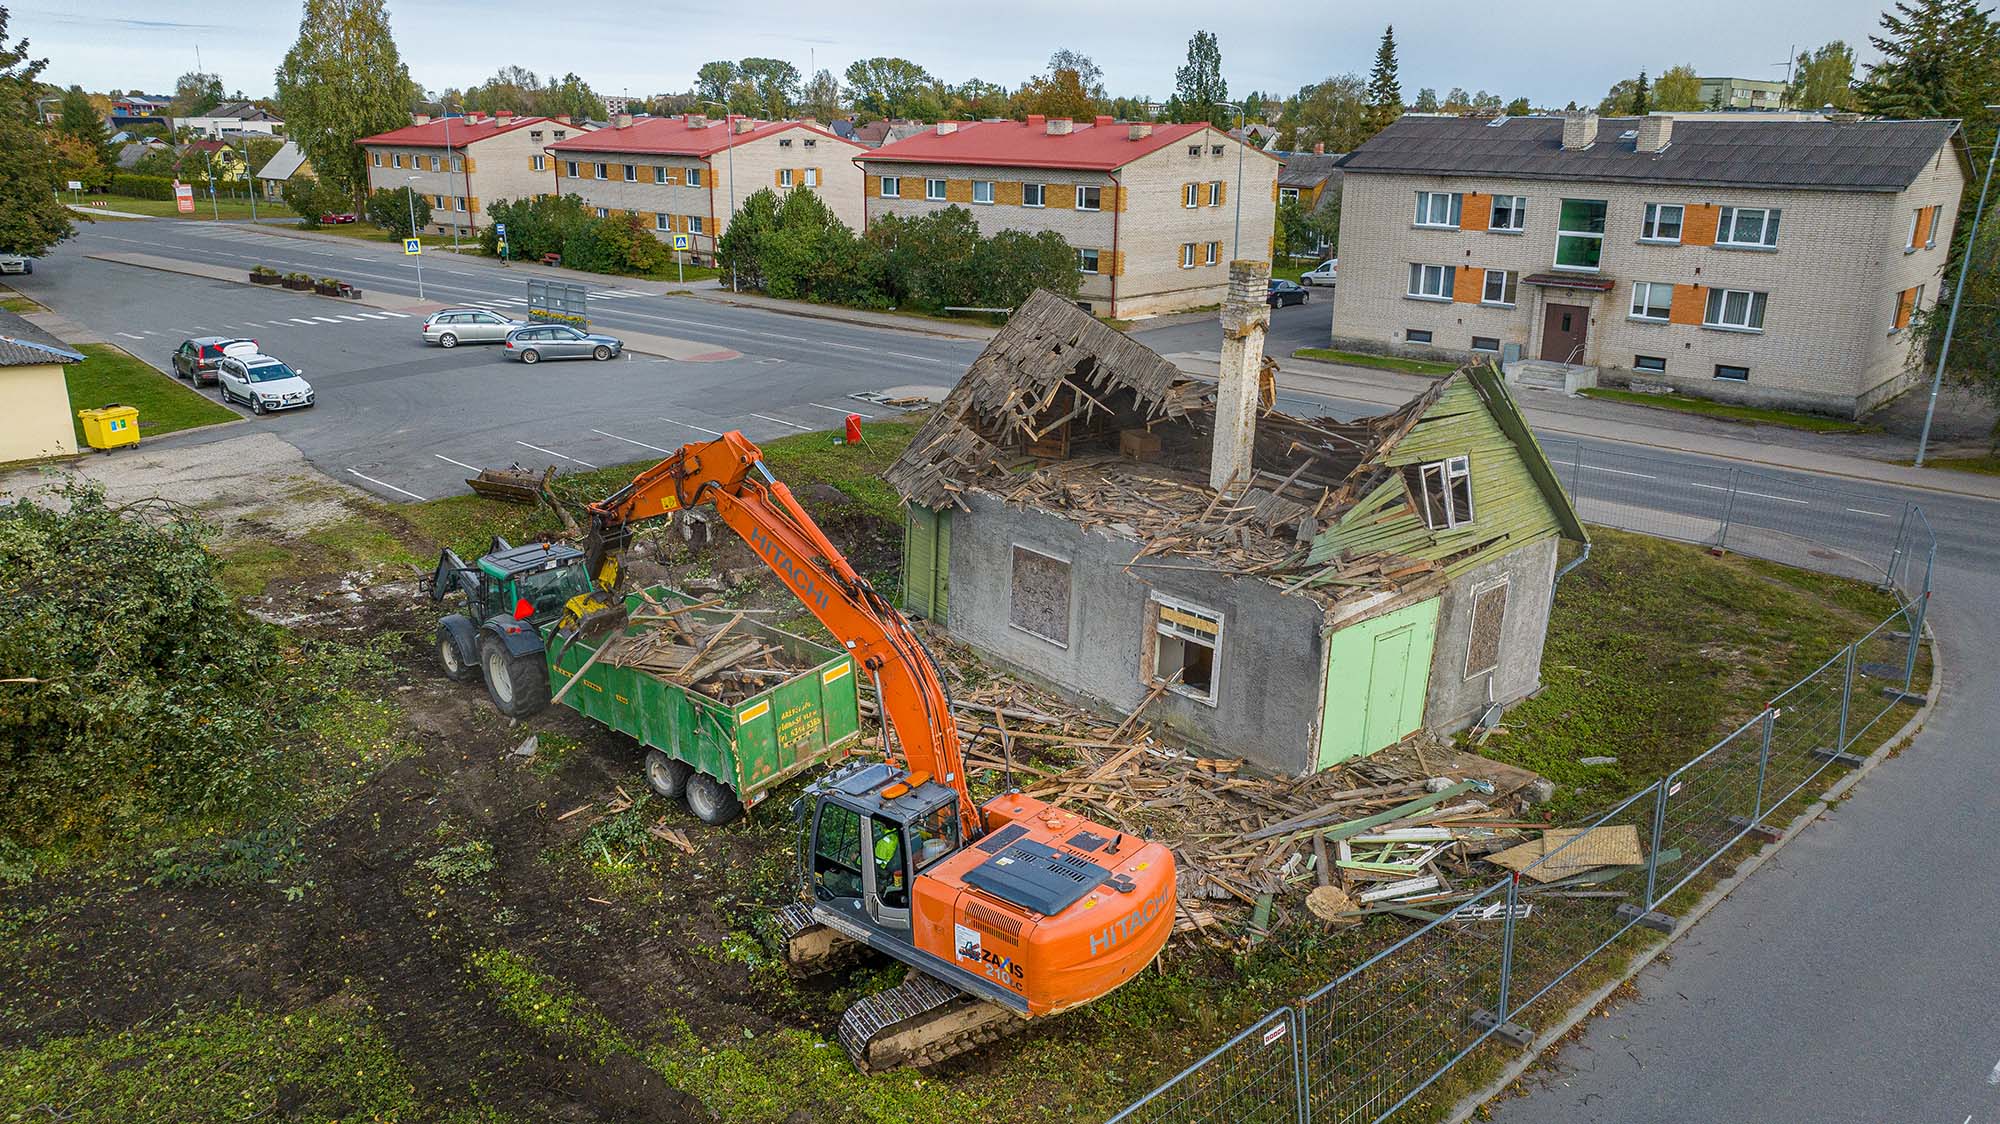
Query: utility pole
x=410, y=197
x=1951, y=322
x=729, y=127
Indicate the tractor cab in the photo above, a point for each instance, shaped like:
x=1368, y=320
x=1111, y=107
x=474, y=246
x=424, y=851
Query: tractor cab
x=869, y=832
x=538, y=577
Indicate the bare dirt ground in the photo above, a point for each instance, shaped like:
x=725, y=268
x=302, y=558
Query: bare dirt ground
x=288, y=495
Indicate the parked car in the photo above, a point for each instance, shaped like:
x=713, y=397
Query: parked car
x=1282, y=293
x=262, y=383
x=454, y=326
x=195, y=359
x=1325, y=273
x=337, y=217
x=16, y=263
x=537, y=342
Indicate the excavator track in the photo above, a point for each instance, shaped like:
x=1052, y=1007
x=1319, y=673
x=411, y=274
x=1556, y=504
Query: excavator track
x=921, y=1022
x=812, y=948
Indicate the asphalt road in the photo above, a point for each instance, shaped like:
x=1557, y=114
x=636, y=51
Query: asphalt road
x=1847, y=981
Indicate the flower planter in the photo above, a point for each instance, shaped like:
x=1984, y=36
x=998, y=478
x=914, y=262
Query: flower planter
x=326, y=290
x=298, y=285
x=265, y=279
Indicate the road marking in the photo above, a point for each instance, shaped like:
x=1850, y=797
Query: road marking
x=356, y=319
x=842, y=346
x=692, y=426
x=630, y=441
x=130, y=336
x=386, y=484
x=552, y=453
x=307, y=323
x=1885, y=515
x=461, y=464
x=397, y=315
x=1992, y=1078
x=918, y=358
x=326, y=319
x=374, y=316
x=781, y=421
x=1784, y=499
x=1710, y=487
x=1620, y=472
x=842, y=410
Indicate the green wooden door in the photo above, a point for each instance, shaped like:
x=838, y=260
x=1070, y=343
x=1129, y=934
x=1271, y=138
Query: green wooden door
x=926, y=562
x=1377, y=677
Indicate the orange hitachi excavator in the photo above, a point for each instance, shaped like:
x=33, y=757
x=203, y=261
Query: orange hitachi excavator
x=1004, y=911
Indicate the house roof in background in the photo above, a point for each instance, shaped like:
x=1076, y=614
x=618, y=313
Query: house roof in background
x=22, y=344
x=464, y=131
x=1814, y=155
x=240, y=110
x=1308, y=169
x=284, y=165
x=672, y=136
x=1095, y=146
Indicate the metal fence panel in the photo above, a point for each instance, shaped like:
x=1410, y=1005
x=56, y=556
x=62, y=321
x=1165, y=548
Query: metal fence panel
x=1813, y=525
x=1710, y=803
x=1381, y=1034
x=1252, y=1078
x=1653, y=496
x=1809, y=724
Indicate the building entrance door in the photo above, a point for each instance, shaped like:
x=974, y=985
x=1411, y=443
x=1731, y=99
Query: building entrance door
x=1564, y=328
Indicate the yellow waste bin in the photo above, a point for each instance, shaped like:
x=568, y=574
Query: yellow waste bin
x=110, y=427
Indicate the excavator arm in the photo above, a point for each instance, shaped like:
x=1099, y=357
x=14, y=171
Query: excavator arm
x=729, y=474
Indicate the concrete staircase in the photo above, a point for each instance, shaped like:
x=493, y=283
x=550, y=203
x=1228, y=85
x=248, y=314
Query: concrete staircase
x=1547, y=374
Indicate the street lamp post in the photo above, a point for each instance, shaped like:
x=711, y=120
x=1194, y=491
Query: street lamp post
x=1242, y=138
x=1951, y=322
x=410, y=197
x=213, y=204
x=729, y=140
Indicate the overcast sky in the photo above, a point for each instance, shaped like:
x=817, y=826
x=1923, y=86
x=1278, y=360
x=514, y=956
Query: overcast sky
x=1550, y=51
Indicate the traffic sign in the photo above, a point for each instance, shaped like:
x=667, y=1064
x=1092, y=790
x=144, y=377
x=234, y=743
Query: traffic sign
x=76, y=185
x=184, y=198
x=500, y=228
x=680, y=241
x=413, y=246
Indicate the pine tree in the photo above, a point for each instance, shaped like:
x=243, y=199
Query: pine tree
x=1940, y=58
x=1385, y=93
x=78, y=118
x=343, y=80
x=1198, y=86
x=1641, y=92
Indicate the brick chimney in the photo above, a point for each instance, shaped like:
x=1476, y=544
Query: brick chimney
x=1104, y=121
x=697, y=121
x=621, y=120
x=1579, y=131
x=741, y=125
x=1319, y=148
x=1059, y=126
x=503, y=117
x=1245, y=317
x=1139, y=131
x=1656, y=131
x=1035, y=122
x=946, y=128
x=420, y=119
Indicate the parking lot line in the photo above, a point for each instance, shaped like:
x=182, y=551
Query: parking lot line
x=781, y=421
x=692, y=426
x=386, y=484
x=630, y=441
x=130, y=336
x=461, y=464
x=841, y=410
x=553, y=453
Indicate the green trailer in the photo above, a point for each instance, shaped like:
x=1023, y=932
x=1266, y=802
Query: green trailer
x=720, y=757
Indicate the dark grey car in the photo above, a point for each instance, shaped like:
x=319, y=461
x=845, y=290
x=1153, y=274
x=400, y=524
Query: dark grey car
x=454, y=326
x=537, y=342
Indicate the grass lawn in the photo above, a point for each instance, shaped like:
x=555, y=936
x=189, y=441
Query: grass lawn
x=366, y=231
x=113, y=375
x=165, y=208
x=1988, y=465
x=1755, y=415
x=1384, y=362
x=13, y=302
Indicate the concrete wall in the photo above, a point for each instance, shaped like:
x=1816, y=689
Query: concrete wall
x=1455, y=701
x=1268, y=666
x=36, y=422
x=1832, y=280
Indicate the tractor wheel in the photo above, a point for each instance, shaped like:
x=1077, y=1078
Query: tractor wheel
x=668, y=777
x=517, y=684
x=711, y=801
x=455, y=669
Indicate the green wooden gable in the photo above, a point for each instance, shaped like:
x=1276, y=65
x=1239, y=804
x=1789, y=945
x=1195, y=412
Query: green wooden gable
x=1517, y=499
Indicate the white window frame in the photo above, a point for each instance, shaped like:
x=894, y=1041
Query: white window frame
x=631, y=173
x=434, y=164
x=1598, y=236
x=1517, y=215
x=1446, y=472
x=1421, y=273
x=784, y=177
x=663, y=221
x=1087, y=265
x=891, y=187
x=1655, y=218
x=396, y=159
x=570, y=166
x=1767, y=228
x=601, y=212
x=1642, y=306
x=1659, y=370
x=934, y=190
x=1755, y=304
x=694, y=177
x=1428, y=205
x=1720, y=377
x=560, y=134
x=1494, y=350
x=660, y=174
x=695, y=224
x=812, y=177
x=458, y=203
x=976, y=192
x=1090, y=192
x=1288, y=195
x=1187, y=255
x=1509, y=288
x=601, y=170
x=1190, y=192
x=1410, y=335
x=1215, y=193
x=1034, y=195
x=1174, y=630
x=541, y=163
x=1214, y=253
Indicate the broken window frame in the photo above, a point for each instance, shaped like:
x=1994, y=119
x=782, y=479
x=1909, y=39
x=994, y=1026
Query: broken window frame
x=1163, y=627
x=1441, y=508
x=1472, y=628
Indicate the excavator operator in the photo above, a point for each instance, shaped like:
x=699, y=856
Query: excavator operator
x=889, y=866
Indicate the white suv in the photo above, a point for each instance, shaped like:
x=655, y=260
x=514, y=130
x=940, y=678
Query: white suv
x=261, y=383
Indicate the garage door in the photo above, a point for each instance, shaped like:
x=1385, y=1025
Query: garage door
x=1377, y=674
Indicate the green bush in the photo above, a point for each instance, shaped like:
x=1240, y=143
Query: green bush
x=401, y=211
x=142, y=187
x=309, y=199
x=135, y=689
x=537, y=226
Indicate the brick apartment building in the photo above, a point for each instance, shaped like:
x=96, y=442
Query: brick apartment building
x=1150, y=208
x=462, y=163
x=1771, y=262
x=676, y=171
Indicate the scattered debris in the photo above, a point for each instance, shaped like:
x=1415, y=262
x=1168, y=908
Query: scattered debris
x=528, y=747
x=1597, y=761
x=698, y=647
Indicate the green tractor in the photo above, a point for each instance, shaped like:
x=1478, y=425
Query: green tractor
x=510, y=597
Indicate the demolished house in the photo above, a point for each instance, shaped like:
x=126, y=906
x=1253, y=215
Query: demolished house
x=1352, y=583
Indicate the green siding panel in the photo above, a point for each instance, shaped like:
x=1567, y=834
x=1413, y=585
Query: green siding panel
x=919, y=559
x=1377, y=674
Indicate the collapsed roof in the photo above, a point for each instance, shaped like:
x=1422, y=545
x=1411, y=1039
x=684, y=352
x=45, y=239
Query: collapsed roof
x=1066, y=415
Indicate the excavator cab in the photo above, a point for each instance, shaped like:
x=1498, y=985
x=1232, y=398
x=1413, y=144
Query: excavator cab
x=867, y=848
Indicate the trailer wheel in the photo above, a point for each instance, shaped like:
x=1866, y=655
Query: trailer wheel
x=711, y=801
x=455, y=669
x=517, y=684
x=668, y=777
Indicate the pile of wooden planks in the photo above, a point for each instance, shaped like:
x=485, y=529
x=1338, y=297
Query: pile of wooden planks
x=685, y=645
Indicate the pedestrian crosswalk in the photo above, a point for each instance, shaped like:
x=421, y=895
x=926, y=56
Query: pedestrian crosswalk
x=522, y=302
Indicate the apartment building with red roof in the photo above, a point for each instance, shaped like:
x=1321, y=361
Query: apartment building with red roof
x=462, y=164
x=676, y=172
x=1154, y=211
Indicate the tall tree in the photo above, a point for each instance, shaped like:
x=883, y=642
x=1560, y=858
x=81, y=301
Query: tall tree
x=1678, y=89
x=343, y=80
x=1641, y=103
x=195, y=93
x=1823, y=77
x=1427, y=101
x=571, y=97
x=32, y=218
x=1089, y=75
x=1940, y=58
x=776, y=82
x=78, y=120
x=886, y=87
x=1059, y=93
x=1385, y=91
x=1199, y=88
x=712, y=81
x=821, y=96
x=1618, y=100
x=1334, y=112
x=1518, y=108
